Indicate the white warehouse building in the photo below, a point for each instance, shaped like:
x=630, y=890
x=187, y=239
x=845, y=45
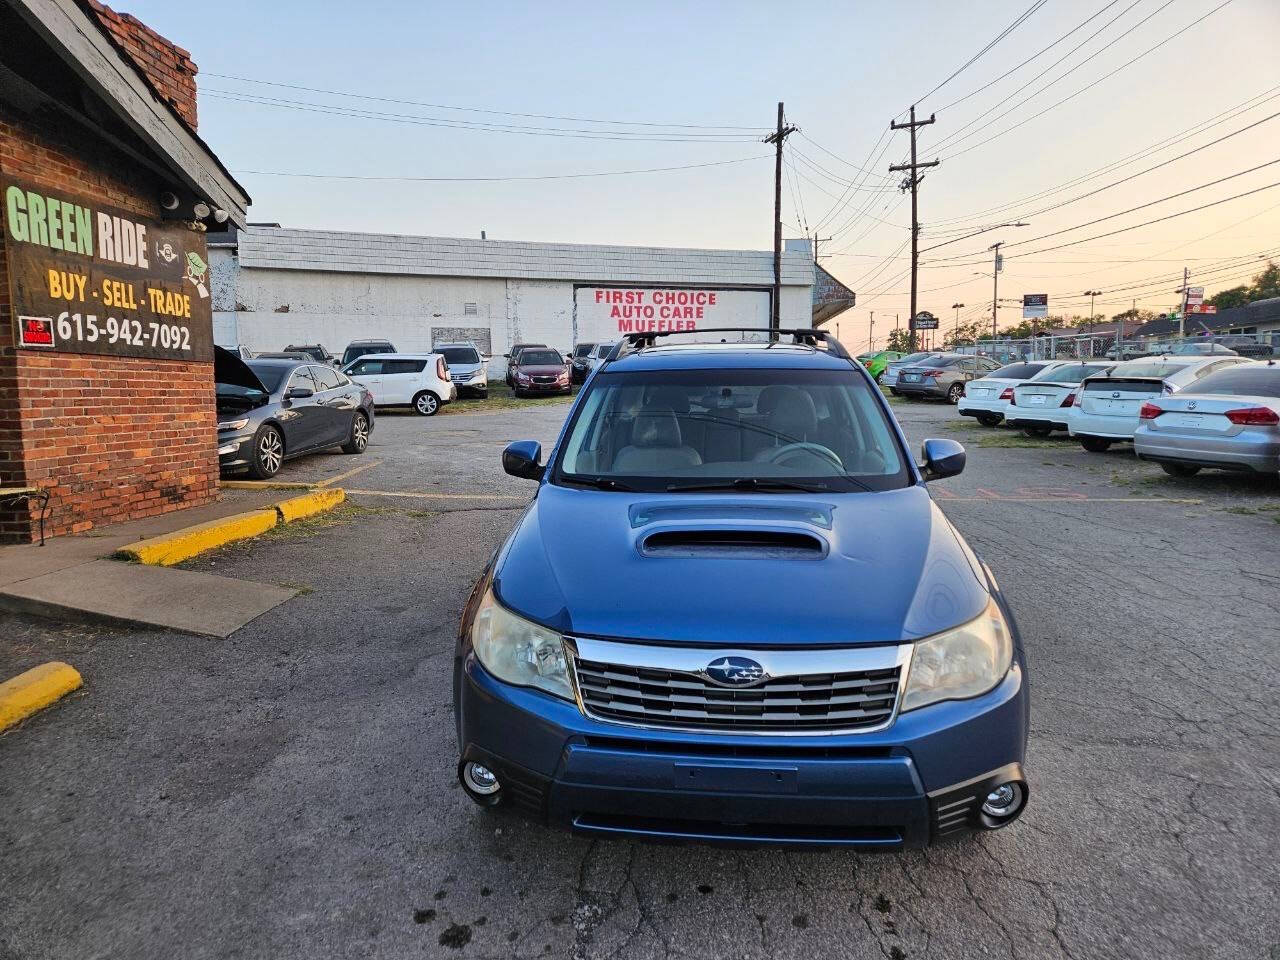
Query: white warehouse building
x=272, y=287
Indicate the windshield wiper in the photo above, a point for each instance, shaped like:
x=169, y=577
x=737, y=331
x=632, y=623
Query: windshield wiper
x=600, y=483
x=748, y=483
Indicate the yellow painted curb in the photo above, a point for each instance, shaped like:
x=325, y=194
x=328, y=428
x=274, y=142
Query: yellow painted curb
x=171, y=548
x=34, y=690
x=266, y=485
x=317, y=501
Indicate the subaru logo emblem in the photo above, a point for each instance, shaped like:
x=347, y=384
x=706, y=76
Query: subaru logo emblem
x=1115, y=395
x=734, y=672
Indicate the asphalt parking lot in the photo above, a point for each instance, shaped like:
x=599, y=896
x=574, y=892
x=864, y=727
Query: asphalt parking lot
x=290, y=792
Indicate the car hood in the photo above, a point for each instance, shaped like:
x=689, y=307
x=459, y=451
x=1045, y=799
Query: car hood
x=230, y=369
x=541, y=369
x=889, y=567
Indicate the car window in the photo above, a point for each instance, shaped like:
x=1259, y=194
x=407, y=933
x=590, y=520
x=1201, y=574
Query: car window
x=326, y=377
x=654, y=429
x=271, y=374
x=459, y=355
x=1154, y=368
x=301, y=377
x=529, y=358
x=366, y=368
x=603, y=350
x=1018, y=371
x=583, y=349
x=403, y=366
x=1242, y=380
x=1071, y=373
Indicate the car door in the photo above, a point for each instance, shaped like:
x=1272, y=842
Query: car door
x=402, y=379
x=301, y=417
x=335, y=401
x=368, y=373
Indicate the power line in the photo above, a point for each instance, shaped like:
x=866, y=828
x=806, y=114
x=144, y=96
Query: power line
x=491, y=112
x=1026, y=14
x=1105, y=76
x=571, y=133
x=544, y=176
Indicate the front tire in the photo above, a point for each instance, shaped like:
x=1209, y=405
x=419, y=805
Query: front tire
x=1095, y=444
x=358, y=437
x=1179, y=469
x=426, y=404
x=268, y=453
x=955, y=393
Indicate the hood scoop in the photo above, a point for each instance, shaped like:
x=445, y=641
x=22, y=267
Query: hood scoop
x=745, y=543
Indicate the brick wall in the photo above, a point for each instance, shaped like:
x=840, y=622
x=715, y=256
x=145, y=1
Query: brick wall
x=113, y=438
x=169, y=68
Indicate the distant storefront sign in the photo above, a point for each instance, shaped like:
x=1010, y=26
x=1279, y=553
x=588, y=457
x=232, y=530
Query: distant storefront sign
x=604, y=314
x=926, y=321
x=1195, y=296
x=1202, y=308
x=92, y=279
x=1035, y=306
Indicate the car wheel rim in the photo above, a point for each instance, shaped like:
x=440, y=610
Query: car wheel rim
x=269, y=451
x=360, y=432
x=427, y=404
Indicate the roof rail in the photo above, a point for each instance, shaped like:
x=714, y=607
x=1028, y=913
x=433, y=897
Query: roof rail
x=805, y=335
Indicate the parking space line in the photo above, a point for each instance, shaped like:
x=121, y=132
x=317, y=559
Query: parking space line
x=418, y=495
x=350, y=473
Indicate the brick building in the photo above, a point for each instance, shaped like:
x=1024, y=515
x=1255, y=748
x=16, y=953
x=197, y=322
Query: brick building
x=106, y=375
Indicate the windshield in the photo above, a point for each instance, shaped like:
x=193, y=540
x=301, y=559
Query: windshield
x=1241, y=381
x=658, y=431
x=271, y=374
x=1155, y=368
x=602, y=351
x=1071, y=373
x=458, y=355
x=532, y=358
x=1018, y=371
x=912, y=358
x=583, y=349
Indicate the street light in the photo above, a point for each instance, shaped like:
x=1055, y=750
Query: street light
x=956, y=307
x=1091, y=294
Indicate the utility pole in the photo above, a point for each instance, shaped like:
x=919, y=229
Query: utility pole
x=995, y=289
x=912, y=182
x=1182, y=315
x=1091, y=294
x=817, y=240
x=777, y=138
x=956, y=307
x=871, y=336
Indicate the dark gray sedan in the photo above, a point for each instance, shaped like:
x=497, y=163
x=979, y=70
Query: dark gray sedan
x=271, y=410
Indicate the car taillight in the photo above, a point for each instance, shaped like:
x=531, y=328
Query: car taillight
x=1149, y=411
x=930, y=373
x=1008, y=394
x=866, y=363
x=1069, y=400
x=442, y=370
x=1254, y=416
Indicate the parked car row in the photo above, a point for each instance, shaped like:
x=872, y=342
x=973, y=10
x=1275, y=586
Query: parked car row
x=1186, y=411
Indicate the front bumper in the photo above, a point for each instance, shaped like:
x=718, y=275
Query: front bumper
x=543, y=387
x=920, y=779
x=1083, y=424
x=1244, y=451
x=234, y=452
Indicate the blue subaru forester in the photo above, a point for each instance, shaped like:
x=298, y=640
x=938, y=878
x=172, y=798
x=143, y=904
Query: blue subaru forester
x=733, y=613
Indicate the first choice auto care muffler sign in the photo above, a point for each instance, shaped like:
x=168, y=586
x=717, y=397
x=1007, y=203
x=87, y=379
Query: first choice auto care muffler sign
x=604, y=314
x=92, y=279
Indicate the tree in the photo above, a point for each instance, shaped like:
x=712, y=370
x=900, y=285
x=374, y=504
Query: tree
x=964, y=334
x=1134, y=318
x=1266, y=284
x=1233, y=297
x=900, y=341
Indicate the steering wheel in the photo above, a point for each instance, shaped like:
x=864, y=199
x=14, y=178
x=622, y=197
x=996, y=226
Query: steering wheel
x=816, y=449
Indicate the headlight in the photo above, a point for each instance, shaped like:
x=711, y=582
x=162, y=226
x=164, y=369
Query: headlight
x=518, y=651
x=233, y=424
x=961, y=663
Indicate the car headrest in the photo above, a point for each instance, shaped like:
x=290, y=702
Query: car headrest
x=656, y=428
x=768, y=398
x=793, y=415
x=667, y=398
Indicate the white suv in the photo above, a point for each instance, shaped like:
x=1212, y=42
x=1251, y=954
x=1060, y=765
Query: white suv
x=418, y=380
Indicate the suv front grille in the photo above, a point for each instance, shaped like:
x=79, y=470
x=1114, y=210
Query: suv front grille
x=683, y=700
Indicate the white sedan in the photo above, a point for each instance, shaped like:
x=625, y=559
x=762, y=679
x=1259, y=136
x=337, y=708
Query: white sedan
x=987, y=398
x=1229, y=420
x=1041, y=405
x=1107, y=408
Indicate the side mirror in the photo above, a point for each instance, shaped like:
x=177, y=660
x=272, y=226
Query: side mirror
x=942, y=458
x=299, y=393
x=485, y=357
x=523, y=459
x=507, y=356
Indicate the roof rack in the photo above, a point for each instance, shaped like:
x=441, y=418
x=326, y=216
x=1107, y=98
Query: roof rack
x=804, y=335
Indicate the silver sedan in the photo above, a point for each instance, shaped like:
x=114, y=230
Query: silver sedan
x=1230, y=420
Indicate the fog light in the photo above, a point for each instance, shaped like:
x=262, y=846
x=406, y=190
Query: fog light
x=1004, y=801
x=480, y=780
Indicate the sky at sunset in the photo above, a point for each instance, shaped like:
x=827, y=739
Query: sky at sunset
x=1040, y=128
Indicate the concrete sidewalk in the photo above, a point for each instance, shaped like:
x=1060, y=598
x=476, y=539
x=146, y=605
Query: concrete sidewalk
x=69, y=577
